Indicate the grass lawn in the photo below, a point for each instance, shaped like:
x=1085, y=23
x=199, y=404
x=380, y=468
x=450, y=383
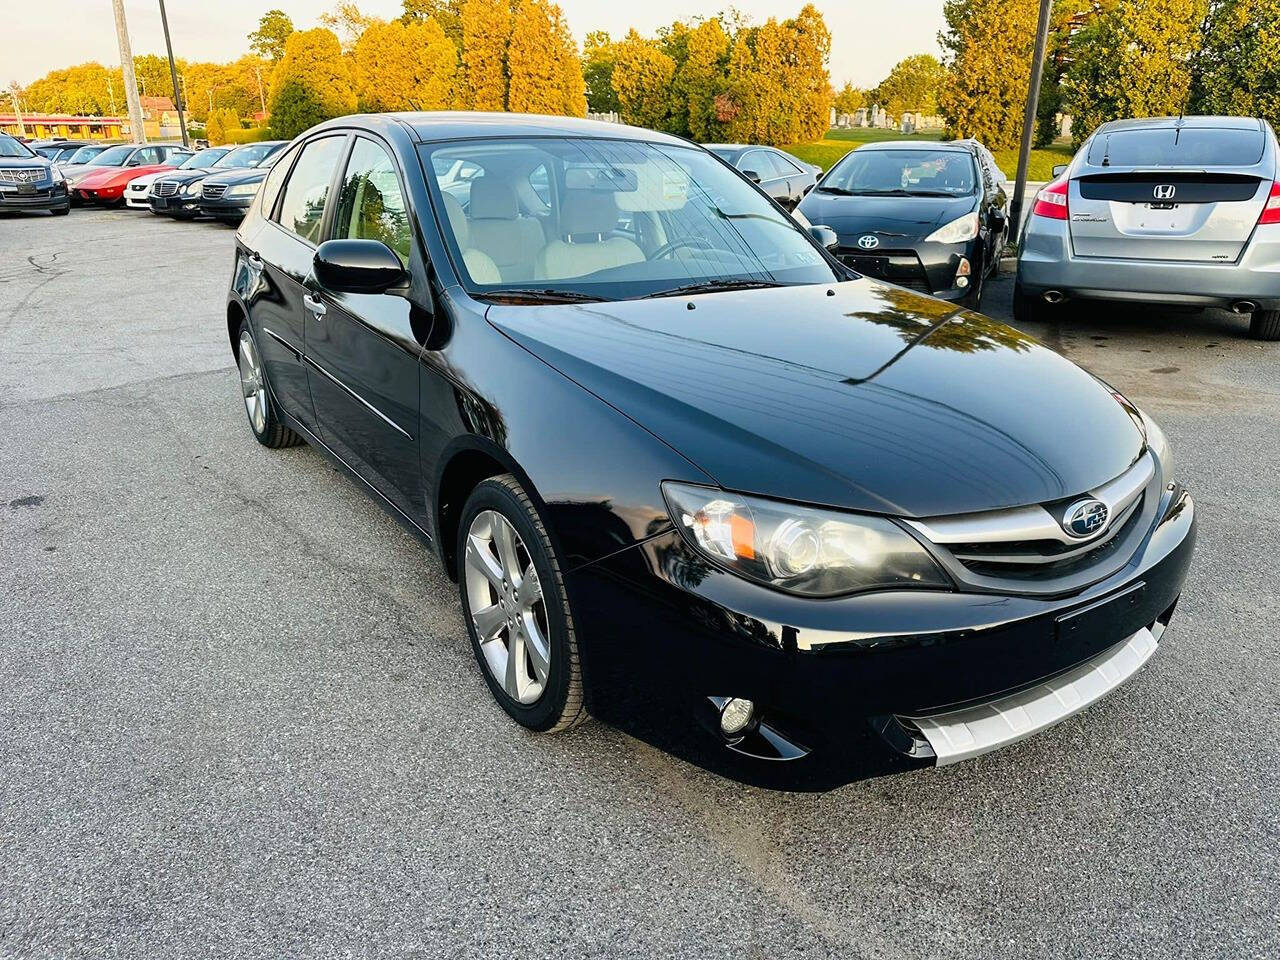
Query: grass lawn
x=837, y=143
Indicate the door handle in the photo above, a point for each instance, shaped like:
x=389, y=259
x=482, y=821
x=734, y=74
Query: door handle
x=315, y=306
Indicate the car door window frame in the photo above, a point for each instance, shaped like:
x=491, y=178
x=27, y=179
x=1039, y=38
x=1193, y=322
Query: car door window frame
x=792, y=168
x=326, y=217
x=347, y=153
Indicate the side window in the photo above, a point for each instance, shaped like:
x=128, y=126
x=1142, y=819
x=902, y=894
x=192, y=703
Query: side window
x=371, y=204
x=752, y=160
x=307, y=190
x=146, y=155
x=540, y=181
x=786, y=166
x=271, y=185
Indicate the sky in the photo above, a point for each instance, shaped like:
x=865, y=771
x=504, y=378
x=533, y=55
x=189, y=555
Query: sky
x=868, y=36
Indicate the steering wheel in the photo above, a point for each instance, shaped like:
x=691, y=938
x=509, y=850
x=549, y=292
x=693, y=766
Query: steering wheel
x=671, y=246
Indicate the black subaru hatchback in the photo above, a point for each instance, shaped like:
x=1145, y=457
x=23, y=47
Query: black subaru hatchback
x=675, y=453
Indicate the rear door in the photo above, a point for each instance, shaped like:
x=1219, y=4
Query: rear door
x=1170, y=193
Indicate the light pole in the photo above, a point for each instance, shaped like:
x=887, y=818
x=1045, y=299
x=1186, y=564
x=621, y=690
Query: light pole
x=126, y=67
x=1029, y=118
x=173, y=73
x=17, y=109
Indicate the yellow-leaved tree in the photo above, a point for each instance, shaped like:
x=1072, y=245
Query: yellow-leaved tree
x=1133, y=59
x=642, y=76
x=311, y=83
x=703, y=77
x=405, y=66
x=486, y=28
x=222, y=121
x=545, y=73
x=988, y=46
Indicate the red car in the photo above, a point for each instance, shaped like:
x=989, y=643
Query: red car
x=105, y=183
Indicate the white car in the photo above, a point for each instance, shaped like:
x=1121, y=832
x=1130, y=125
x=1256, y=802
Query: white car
x=139, y=188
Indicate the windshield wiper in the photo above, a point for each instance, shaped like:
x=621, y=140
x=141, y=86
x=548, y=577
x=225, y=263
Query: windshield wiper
x=838, y=191
x=519, y=295
x=712, y=286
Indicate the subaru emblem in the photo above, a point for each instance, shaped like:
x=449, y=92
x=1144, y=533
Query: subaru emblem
x=868, y=242
x=1086, y=518
x=1164, y=191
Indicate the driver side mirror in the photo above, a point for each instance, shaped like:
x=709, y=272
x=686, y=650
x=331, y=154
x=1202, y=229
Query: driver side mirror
x=825, y=236
x=357, y=266
x=751, y=175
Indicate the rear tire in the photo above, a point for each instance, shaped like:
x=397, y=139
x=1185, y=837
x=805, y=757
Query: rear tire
x=1265, y=325
x=516, y=609
x=1026, y=309
x=259, y=407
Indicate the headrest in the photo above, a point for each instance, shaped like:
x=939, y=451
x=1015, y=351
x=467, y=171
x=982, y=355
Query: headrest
x=493, y=199
x=457, y=220
x=588, y=211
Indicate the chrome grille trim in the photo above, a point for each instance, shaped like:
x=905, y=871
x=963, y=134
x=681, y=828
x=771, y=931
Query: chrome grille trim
x=213, y=191
x=165, y=188
x=1080, y=550
x=1020, y=524
x=23, y=174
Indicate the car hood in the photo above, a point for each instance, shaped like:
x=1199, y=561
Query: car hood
x=896, y=220
x=868, y=397
x=189, y=176
x=234, y=177
x=113, y=175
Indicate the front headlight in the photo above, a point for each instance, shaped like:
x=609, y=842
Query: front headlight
x=957, y=231
x=802, y=550
x=56, y=175
x=192, y=189
x=243, y=190
x=1158, y=443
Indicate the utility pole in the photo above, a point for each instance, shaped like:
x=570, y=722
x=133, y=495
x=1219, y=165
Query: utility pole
x=17, y=108
x=1029, y=118
x=173, y=73
x=257, y=72
x=130, y=81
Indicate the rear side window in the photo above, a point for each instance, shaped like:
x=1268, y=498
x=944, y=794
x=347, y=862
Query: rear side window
x=1172, y=146
x=307, y=190
x=271, y=186
x=786, y=166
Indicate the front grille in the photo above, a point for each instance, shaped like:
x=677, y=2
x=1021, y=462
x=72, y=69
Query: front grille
x=213, y=191
x=166, y=188
x=1027, y=550
x=22, y=174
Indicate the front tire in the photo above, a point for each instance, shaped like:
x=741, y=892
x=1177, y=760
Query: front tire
x=516, y=609
x=258, y=405
x=1265, y=325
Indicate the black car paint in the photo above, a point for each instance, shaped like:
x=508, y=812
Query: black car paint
x=786, y=190
x=180, y=206
x=41, y=192
x=915, y=408
x=230, y=209
x=900, y=225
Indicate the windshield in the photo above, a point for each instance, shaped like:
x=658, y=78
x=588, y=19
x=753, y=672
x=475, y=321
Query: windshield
x=249, y=155
x=10, y=147
x=85, y=154
x=611, y=220
x=929, y=173
x=1171, y=146
x=204, y=159
x=114, y=156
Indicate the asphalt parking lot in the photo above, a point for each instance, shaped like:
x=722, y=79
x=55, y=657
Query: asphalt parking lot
x=240, y=716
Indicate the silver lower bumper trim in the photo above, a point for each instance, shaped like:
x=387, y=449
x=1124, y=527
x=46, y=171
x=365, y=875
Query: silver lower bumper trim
x=973, y=731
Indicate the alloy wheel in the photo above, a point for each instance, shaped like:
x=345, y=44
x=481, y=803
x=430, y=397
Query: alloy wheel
x=508, y=612
x=252, y=384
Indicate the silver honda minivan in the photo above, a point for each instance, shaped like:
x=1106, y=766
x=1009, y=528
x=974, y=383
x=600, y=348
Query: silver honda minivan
x=1164, y=210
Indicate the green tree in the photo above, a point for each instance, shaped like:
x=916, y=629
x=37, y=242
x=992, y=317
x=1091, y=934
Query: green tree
x=1067, y=16
x=912, y=84
x=597, y=72
x=274, y=28
x=486, y=28
x=311, y=83
x=1238, y=69
x=220, y=124
x=1133, y=59
x=405, y=66
x=988, y=45
x=849, y=99
x=702, y=77
x=152, y=74
x=642, y=76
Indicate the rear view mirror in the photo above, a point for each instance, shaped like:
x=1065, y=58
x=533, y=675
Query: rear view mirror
x=825, y=236
x=1059, y=169
x=357, y=266
x=751, y=175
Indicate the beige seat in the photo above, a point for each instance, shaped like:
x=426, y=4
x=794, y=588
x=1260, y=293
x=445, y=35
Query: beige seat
x=586, y=244
x=478, y=263
x=512, y=241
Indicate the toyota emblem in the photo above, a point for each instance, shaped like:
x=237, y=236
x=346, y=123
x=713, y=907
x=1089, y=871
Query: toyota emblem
x=868, y=242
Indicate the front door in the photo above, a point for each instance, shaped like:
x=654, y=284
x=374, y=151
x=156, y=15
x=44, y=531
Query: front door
x=362, y=352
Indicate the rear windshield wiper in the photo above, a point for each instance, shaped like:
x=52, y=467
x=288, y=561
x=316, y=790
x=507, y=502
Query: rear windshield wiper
x=712, y=286
x=518, y=295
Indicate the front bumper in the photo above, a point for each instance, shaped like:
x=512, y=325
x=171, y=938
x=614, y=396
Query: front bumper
x=38, y=197
x=1045, y=262
x=829, y=673
x=176, y=206
x=927, y=267
x=228, y=208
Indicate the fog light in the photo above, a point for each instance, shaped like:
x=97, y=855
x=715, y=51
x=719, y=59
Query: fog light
x=962, y=282
x=735, y=715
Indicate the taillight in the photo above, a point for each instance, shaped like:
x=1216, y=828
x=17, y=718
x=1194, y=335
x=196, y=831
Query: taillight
x=1051, y=202
x=1271, y=212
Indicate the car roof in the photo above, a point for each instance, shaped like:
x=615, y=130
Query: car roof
x=427, y=127
x=1215, y=122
